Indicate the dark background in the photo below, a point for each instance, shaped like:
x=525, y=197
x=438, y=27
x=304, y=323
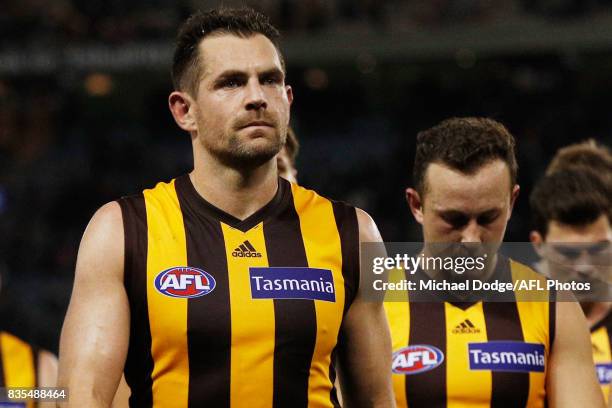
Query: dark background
x=84, y=118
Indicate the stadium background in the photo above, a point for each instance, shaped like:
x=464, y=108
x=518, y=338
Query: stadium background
x=84, y=118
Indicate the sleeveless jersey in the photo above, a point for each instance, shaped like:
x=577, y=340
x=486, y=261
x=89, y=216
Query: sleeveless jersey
x=236, y=313
x=18, y=362
x=476, y=355
x=601, y=340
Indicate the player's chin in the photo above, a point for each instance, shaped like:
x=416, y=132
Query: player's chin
x=255, y=158
x=253, y=152
x=268, y=145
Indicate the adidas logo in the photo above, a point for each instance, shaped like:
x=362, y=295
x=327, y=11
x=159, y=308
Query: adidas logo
x=466, y=327
x=246, y=250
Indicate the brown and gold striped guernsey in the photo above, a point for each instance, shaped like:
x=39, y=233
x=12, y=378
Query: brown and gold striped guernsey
x=601, y=340
x=445, y=353
x=255, y=319
x=18, y=362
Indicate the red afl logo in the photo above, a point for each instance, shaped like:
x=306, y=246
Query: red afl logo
x=184, y=282
x=416, y=359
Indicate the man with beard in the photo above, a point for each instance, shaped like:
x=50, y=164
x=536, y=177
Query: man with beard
x=228, y=286
x=451, y=352
x=573, y=234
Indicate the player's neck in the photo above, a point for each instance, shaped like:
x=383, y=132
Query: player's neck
x=595, y=311
x=238, y=193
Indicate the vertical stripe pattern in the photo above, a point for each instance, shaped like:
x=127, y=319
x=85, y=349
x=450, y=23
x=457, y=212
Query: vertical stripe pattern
x=503, y=324
x=602, y=353
x=225, y=348
x=428, y=327
x=167, y=315
x=451, y=328
x=348, y=228
x=537, y=328
x=465, y=387
x=17, y=363
x=208, y=317
x=2, y=381
x=139, y=363
x=294, y=341
x=252, y=323
x=398, y=316
x=323, y=250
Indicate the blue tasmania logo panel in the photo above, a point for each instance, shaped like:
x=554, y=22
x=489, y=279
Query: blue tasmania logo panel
x=292, y=283
x=507, y=356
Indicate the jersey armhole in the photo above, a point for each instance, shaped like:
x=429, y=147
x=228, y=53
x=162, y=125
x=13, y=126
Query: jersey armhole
x=133, y=211
x=552, y=317
x=348, y=229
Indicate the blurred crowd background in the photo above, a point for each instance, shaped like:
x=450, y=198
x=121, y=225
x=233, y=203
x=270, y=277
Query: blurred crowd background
x=84, y=118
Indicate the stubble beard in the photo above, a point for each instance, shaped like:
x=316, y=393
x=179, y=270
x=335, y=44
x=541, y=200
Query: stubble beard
x=246, y=155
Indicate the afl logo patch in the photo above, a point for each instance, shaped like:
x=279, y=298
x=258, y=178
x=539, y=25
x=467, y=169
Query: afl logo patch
x=416, y=359
x=184, y=282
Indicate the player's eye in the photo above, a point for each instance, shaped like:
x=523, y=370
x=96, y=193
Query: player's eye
x=487, y=219
x=271, y=79
x=599, y=249
x=455, y=221
x=231, y=83
x=567, y=251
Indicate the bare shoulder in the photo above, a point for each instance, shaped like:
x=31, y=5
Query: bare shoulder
x=102, y=245
x=569, y=312
x=368, y=231
x=571, y=327
x=106, y=222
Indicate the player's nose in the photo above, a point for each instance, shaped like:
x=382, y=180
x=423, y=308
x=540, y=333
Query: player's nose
x=472, y=233
x=255, y=97
x=585, y=267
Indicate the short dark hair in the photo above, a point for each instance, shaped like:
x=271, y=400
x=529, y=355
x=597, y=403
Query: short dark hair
x=242, y=22
x=292, y=145
x=588, y=154
x=571, y=196
x=464, y=144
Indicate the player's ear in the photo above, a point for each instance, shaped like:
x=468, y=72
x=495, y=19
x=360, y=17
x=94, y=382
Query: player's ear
x=537, y=240
x=513, y=196
x=414, y=202
x=289, y=91
x=182, y=107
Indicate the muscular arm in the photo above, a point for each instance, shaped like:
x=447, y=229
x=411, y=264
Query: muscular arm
x=94, y=339
x=365, y=350
x=571, y=380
